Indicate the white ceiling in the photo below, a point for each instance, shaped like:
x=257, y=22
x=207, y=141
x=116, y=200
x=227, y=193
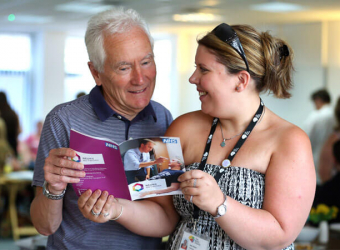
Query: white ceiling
x=62, y=15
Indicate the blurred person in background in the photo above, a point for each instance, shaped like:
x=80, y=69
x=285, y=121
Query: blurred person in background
x=12, y=122
x=327, y=163
x=9, y=163
x=80, y=94
x=328, y=193
x=319, y=124
x=32, y=143
x=6, y=151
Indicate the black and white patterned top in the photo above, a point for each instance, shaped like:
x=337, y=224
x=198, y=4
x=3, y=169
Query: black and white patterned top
x=246, y=186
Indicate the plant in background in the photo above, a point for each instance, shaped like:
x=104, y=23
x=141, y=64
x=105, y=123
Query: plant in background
x=322, y=213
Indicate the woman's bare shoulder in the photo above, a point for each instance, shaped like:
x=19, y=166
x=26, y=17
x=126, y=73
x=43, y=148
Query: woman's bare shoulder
x=189, y=122
x=287, y=134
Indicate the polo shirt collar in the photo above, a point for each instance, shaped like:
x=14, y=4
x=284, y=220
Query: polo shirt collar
x=104, y=111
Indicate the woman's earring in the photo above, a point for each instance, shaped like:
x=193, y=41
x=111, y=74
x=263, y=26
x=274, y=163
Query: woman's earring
x=237, y=88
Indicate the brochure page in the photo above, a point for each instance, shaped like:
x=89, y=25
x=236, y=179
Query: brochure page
x=102, y=164
x=152, y=166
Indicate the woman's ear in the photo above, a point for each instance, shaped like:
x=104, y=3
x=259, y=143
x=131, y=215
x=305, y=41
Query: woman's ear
x=243, y=80
x=94, y=73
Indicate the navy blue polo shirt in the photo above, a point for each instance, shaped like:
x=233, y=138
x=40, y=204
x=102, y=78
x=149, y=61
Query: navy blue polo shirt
x=90, y=114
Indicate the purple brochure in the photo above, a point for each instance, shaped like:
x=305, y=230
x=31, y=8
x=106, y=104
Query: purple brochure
x=102, y=163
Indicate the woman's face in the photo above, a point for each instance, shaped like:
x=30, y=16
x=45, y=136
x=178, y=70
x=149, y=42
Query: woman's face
x=214, y=84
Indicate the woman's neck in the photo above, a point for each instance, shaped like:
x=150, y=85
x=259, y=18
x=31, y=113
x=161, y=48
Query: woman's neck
x=241, y=118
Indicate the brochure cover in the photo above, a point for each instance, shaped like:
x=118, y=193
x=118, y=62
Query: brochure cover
x=135, y=169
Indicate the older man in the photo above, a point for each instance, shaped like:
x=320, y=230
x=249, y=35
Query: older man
x=122, y=64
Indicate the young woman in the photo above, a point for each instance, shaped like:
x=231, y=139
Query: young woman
x=250, y=179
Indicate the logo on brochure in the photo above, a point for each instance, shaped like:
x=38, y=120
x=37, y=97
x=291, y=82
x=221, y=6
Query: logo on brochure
x=110, y=145
x=169, y=140
x=76, y=158
x=138, y=187
x=191, y=238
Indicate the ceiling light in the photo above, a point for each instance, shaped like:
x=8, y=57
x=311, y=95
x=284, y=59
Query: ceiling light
x=78, y=7
x=196, y=17
x=277, y=7
x=11, y=17
x=33, y=19
x=210, y=3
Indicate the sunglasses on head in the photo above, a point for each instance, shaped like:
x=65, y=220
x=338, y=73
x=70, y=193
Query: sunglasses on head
x=226, y=34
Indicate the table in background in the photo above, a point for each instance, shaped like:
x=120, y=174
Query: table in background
x=14, y=182
x=332, y=244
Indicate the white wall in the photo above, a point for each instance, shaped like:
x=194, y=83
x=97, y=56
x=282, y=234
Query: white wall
x=333, y=65
x=308, y=76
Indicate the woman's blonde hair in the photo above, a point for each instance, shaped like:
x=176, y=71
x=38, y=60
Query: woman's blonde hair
x=268, y=66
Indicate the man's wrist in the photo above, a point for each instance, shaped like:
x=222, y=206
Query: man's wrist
x=50, y=195
x=52, y=191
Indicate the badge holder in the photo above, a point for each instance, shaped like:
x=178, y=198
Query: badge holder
x=193, y=241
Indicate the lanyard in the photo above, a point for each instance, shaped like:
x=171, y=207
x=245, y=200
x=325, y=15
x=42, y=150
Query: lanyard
x=232, y=154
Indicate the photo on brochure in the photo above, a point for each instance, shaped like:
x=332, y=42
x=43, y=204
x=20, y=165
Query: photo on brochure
x=152, y=166
x=134, y=169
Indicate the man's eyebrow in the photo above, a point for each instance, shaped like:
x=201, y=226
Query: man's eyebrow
x=122, y=63
x=150, y=55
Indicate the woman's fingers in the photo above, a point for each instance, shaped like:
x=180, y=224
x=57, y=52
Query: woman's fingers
x=192, y=174
x=84, y=198
x=106, y=211
x=98, y=206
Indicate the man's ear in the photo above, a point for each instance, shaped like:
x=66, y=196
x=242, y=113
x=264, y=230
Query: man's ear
x=243, y=80
x=94, y=73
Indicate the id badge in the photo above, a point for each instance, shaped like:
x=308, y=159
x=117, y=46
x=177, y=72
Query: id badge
x=193, y=241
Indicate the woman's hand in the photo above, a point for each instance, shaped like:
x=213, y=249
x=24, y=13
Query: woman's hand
x=205, y=192
x=99, y=206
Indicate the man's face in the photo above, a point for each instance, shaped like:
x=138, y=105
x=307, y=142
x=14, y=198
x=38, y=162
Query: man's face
x=318, y=103
x=146, y=148
x=129, y=75
x=174, y=164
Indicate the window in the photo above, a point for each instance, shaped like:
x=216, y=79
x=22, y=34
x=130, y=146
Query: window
x=166, y=84
x=15, y=51
x=78, y=76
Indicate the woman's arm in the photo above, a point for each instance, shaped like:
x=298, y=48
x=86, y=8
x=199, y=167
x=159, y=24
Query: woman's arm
x=289, y=192
x=154, y=217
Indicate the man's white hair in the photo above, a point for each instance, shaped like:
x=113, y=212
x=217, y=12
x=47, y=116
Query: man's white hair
x=180, y=162
x=117, y=20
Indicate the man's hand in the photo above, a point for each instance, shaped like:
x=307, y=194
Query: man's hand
x=59, y=170
x=160, y=160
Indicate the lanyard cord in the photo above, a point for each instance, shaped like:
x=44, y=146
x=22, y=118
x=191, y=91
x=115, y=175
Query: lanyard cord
x=232, y=154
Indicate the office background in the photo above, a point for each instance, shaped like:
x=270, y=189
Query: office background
x=43, y=60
